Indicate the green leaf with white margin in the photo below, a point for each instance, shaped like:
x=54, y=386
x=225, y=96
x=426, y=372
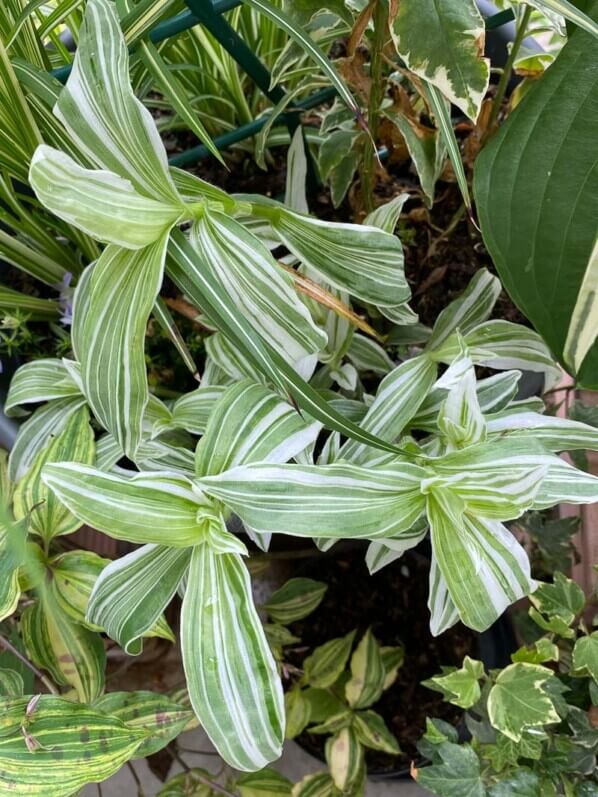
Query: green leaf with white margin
x=249, y=424
x=365, y=261
x=581, y=334
x=330, y=501
x=262, y=291
x=158, y=715
x=231, y=675
x=386, y=216
x=520, y=700
x=368, y=673
x=267, y=783
x=367, y=355
x=462, y=686
x=11, y=683
x=554, y=433
x=460, y=418
x=345, y=759
x=34, y=434
x=37, y=381
x=155, y=508
x=456, y=773
x=132, y=592
x=422, y=144
x=73, y=655
x=89, y=744
x=485, y=568
x=372, y=732
x=100, y=111
x=123, y=288
x=73, y=575
x=297, y=711
x=585, y=655
x=325, y=665
x=319, y=784
x=443, y=612
x=295, y=187
x=295, y=600
x=442, y=41
x=398, y=398
x=32, y=499
x=565, y=484
x=563, y=598
x=229, y=359
x=468, y=310
x=99, y=202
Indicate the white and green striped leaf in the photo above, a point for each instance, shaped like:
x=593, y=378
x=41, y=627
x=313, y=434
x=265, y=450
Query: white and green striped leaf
x=37, y=381
x=192, y=411
x=583, y=326
x=231, y=674
x=554, y=433
x=345, y=758
x=368, y=673
x=11, y=683
x=295, y=600
x=443, y=612
x=99, y=202
x=442, y=41
x=251, y=424
x=145, y=508
x=565, y=484
x=88, y=744
x=460, y=418
x=568, y=10
x=100, y=111
x=325, y=665
x=73, y=575
x=329, y=501
x=133, y=591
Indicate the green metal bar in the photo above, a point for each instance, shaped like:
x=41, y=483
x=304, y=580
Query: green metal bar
x=500, y=19
x=246, y=131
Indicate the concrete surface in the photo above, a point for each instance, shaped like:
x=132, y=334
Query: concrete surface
x=295, y=764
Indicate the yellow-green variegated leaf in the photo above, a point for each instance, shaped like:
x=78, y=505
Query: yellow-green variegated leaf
x=123, y=288
x=319, y=784
x=251, y=423
x=372, y=732
x=297, y=711
x=73, y=655
x=345, y=758
x=231, y=674
x=99, y=202
x=12, y=554
x=37, y=381
x=100, y=110
x=11, y=683
x=132, y=592
x=73, y=575
x=519, y=700
x=325, y=665
x=192, y=411
x=66, y=745
x=484, y=567
x=144, y=508
x=329, y=501
x=583, y=326
x=442, y=41
x=368, y=674
x=46, y=515
x=262, y=291
x=295, y=600
x=160, y=717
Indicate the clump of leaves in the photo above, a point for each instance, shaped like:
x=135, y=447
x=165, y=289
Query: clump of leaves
x=533, y=724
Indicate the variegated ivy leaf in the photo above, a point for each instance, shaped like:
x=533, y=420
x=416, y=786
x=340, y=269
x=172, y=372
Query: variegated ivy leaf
x=442, y=41
x=456, y=772
x=45, y=514
x=368, y=673
x=250, y=423
x=295, y=600
x=88, y=744
x=231, y=674
x=72, y=654
x=461, y=686
x=132, y=592
x=585, y=655
x=100, y=203
x=519, y=700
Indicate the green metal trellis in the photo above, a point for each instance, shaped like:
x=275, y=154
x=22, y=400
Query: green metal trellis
x=209, y=14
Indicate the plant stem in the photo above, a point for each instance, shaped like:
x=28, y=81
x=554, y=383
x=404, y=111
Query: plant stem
x=503, y=83
x=200, y=778
x=4, y=643
x=368, y=165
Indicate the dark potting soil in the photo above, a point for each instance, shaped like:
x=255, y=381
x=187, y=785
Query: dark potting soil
x=393, y=603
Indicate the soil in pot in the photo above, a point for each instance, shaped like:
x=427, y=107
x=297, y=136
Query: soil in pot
x=393, y=604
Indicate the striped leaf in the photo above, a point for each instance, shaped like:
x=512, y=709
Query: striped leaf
x=443, y=612
x=325, y=665
x=160, y=717
x=11, y=683
x=132, y=592
x=102, y=204
x=258, y=288
x=143, y=508
x=442, y=41
x=251, y=424
x=460, y=418
x=73, y=655
x=555, y=434
x=295, y=600
x=36, y=309
x=12, y=555
x=365, y=261
x=368, y=673
x=397, y=400
x=34, y=434
x=345, y=758
x=372, y=732
x=231, y=675
x=109, y=124
x=484, y=567
x=37, y=381
x=122, y=290
x=192, y=411
x=144, y=16
x=45, y=514
x=582, y=328
x=330, y=501
x=73, y=575
x=88, y=744
x=568, y=10
x=267, y=783
x=319, y=784
x=565, y=484
x=30, y=260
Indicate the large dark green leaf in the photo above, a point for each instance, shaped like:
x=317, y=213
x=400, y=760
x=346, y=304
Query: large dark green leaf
x=536, y=187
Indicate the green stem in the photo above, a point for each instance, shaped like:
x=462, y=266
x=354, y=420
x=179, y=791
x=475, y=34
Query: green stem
x=368, y=165
x=508, y=70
